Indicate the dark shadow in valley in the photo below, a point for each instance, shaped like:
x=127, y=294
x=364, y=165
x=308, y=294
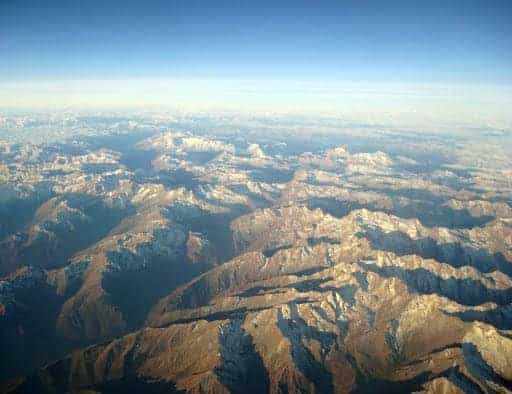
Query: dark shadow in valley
x=119, y=142
x=421, y=195
x=346, y=292
x=296, y=145
x=268, y=253
x=169, y=178
x=455, y=254
x=430, y=209
x=16, y=212
x=429, y=213
x=241, y=367
x=98, y=168
x=65, y=148
x=334, y=207
x=57, y=378
x=27, y=325
x=464, y=291
x=201, y=290
x=176, y=178
x=198, y=293
x=296, y=329
x=500, y=317
x=88, y=221
x=138, y=159
x=312, y=241
x=310, y=271
x=460, y=180
x=214, y=226
x=225, y=314
x=201, y=158
x=135, y=384
x=256, y=200
x=53, y=379
x=269, y=174
x=125, y=143
x=148, y=274
x=433, y=215
x=393, y=342
x=450, y=346
x=370, y=385
x=501, y=199
x=480, y=370
x=303, y=286
x=362, y=279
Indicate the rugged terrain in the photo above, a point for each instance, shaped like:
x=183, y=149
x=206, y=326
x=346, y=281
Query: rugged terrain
x=198, y=254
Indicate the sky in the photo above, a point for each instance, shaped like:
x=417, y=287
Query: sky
x=355, y=40
x=418, y=55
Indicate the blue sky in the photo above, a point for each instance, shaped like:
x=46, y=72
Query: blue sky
x=448, y=41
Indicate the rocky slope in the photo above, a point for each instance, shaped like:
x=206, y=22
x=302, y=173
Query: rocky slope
x=186, y=262
x=324, y=312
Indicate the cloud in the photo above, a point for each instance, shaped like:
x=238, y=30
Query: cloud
x=399, y=104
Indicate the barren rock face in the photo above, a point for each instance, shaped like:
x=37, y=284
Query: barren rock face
x=217, y=261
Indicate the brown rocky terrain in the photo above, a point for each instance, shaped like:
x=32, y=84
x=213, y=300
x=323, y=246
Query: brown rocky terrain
x=185, y=262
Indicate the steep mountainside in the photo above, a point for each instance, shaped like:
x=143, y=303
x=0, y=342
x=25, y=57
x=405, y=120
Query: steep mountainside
x=176, y=261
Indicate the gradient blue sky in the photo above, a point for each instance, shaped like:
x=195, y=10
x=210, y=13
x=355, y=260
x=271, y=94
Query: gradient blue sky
x=465, y=41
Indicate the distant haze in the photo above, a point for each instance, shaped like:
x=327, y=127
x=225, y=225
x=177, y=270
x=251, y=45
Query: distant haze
x=419, y=105
x=438, y=63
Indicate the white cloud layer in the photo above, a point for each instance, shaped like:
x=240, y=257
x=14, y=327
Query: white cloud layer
x=427, y=106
